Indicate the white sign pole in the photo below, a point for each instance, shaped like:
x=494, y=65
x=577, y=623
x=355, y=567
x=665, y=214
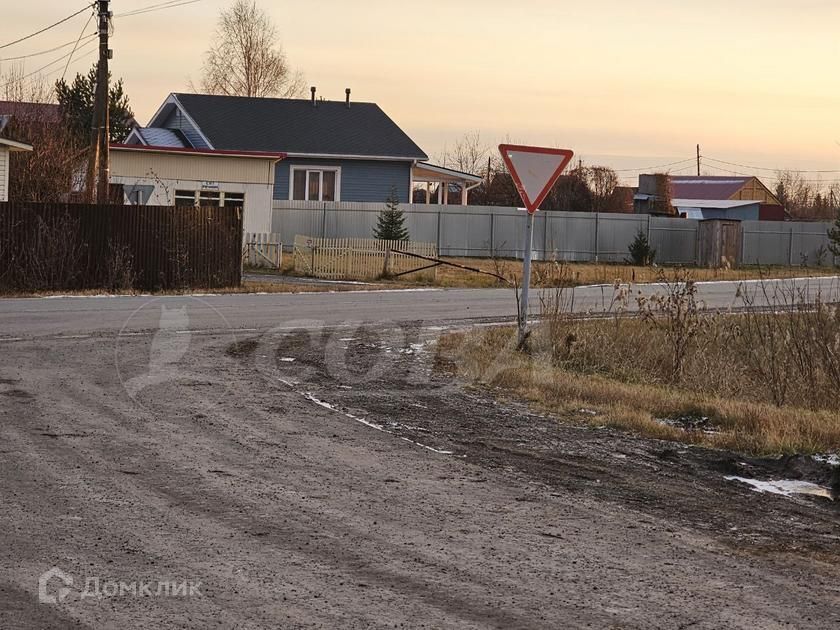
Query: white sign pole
x=526, y=278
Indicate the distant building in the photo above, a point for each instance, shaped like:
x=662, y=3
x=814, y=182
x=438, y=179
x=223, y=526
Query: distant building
x=713, y=197
x=334, y=151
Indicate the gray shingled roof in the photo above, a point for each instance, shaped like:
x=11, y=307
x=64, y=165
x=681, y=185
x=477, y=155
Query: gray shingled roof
x=295, y=126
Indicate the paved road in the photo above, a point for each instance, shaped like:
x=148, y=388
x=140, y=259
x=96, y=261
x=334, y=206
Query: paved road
x=72, y=315
x=331, y=479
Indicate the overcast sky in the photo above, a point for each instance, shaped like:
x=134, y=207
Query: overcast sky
x=753, y=81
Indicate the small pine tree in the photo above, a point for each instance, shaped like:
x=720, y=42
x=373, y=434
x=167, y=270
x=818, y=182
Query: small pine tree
x=834, y=236
x=641, y=252
x=390, y=225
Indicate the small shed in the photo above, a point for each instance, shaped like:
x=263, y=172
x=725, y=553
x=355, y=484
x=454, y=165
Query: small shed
x=720, y=243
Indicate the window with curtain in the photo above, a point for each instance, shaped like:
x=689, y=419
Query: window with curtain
x=317, y=184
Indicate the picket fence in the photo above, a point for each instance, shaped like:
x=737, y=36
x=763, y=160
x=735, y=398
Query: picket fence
x=362, y=259
x=262, y=250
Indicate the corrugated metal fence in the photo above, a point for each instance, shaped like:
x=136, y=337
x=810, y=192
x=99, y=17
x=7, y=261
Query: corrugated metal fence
x=484, y=231
x=73, y=247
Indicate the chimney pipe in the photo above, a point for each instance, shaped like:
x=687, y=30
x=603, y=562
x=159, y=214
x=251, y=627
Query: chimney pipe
x=347, y=92
x=313, y=89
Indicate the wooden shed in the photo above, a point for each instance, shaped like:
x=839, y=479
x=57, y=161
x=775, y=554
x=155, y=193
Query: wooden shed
x=720, y=243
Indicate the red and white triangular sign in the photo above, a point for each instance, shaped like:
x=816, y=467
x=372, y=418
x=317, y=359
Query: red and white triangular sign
x=534, y=170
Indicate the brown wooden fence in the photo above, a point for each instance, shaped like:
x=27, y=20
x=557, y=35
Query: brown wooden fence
x=50, y=247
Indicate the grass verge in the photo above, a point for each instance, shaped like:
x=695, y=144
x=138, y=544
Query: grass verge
x=658, y=411
x=759, y=381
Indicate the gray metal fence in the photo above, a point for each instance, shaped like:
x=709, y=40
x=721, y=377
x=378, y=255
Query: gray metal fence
x=484, y=231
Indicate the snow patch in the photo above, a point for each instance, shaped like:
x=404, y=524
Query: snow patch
x=832, y=459
x=785, y=487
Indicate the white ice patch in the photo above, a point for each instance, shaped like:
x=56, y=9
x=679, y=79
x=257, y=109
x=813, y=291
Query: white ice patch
x=785, y=487
x=832, y=459
x=288, y=359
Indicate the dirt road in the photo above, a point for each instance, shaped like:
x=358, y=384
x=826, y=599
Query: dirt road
x=332, y=478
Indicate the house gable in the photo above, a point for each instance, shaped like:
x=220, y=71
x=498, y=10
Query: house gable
x=755, y=190
x=173, y=116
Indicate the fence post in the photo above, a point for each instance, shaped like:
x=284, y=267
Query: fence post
x=597, y=229
x=493, y=235
x=790, y=247
x=438, y=234
x=545, y=236
x=324, y=223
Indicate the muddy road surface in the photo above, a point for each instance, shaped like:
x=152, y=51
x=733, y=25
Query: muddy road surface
x=337, y=478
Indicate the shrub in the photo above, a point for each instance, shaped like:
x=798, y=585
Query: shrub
x=641, y=252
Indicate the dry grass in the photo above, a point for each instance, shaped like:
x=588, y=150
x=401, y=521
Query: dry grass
x=590, y=273
x=621, y=371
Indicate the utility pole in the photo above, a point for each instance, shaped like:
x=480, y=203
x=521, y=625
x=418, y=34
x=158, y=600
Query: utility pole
x=99, y=165
x=698, y=160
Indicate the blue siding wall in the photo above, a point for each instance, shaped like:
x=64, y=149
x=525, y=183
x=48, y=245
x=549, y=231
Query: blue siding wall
x=361, y=180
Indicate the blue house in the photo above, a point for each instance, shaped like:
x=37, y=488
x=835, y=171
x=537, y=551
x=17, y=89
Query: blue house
x=336, y=151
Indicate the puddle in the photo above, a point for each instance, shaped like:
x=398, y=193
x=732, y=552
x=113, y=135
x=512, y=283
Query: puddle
x=785, y=487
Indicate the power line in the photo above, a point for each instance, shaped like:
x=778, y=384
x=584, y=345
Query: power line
x=157, y=7
x=739, y=173
x=84, y=28
x=651, y=168
x=43, y=52
x=44, y=67
x=764, y=168
x=44, y=30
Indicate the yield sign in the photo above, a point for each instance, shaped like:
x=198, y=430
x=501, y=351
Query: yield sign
x=534, y=170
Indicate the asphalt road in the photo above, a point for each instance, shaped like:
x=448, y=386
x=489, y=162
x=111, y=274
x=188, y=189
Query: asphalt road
x=78, y=315
x=300, y=473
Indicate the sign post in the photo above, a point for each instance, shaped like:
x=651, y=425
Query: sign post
x=534, y=171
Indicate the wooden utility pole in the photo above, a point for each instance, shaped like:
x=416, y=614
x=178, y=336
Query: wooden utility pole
x=698, y=160
x=99, y=165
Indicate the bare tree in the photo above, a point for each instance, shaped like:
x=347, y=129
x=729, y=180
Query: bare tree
x=469, y=154
x=807, y=199
x=17, y=89
x=246, y=58
x=602, y=182
x=47, y=173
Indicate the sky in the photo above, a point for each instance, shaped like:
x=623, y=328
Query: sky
x=626, y=83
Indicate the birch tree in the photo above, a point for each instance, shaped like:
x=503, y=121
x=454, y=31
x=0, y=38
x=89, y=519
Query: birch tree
x=246, y=58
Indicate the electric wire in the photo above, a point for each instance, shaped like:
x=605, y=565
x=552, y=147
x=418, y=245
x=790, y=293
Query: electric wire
x=156, y=7
x=764, y=168
x=51, y=26
x=44, y=67
x=84, y=28
x=43, y=52
x=651, y=168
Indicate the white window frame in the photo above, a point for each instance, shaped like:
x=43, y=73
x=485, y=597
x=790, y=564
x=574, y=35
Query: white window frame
x=314, y=169
x=197, y=196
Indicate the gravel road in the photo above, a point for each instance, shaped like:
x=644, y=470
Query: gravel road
x=334, y=477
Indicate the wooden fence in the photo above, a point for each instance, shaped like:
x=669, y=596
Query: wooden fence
x=361, y=258
x=262, y=250
x=50, y=247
